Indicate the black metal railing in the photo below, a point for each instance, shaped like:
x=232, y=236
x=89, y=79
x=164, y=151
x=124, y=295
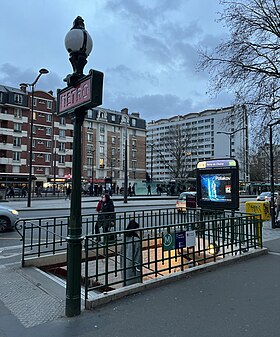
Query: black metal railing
x=47, y=236
x=167, y=248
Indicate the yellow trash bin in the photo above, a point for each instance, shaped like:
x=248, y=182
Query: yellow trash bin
x=259, y=207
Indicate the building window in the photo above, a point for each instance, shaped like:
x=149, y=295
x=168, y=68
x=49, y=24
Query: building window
x=49, y=104
x=101, y=163
x=89, y=114
x=102, y=128
x=17, y=127
x=48, y=131
x=18, y=113
x=47, y=157
x=61, y=146
x=16, y=156
x=113, y=140
x=61, y=133
x=101, y=150
x=34, y=101
x=62, y=121
x=61, y=159
x=133, y=122
x=18, y=98
x=101, y=138
x=17, y=141
x=48, y=144
x=113, y=118
x=48, y=117
x=89, y=137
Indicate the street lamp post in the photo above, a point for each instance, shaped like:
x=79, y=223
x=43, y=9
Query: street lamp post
x=83, y=92
x=272, y=210
x=230, y=134
x=32, y=85
x=79, y=44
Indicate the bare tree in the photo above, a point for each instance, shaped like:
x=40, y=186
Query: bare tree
x=174, y=152
x=248, y=63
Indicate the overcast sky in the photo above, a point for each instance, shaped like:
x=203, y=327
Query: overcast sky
x=147, y=50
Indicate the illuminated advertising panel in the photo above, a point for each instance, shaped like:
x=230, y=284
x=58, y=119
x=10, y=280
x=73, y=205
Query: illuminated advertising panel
x=218, y=184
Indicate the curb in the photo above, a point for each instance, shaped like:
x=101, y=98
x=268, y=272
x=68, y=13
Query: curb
x=105, y=298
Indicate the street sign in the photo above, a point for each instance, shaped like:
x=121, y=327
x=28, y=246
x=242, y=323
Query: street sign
x=87, y=93
x=168, y=241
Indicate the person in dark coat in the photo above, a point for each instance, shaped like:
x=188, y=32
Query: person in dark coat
x=106, y=216
x=131, y=255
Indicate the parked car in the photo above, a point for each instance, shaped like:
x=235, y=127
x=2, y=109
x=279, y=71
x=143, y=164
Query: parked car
x=266, y=196
x=8, y=218
x=185, y=200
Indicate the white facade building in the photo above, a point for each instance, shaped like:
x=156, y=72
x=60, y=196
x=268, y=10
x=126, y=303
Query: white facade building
x=210, y=134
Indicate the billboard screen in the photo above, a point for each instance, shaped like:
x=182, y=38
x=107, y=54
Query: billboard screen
x=217, y=186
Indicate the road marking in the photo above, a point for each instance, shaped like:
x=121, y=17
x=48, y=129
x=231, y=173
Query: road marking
x=9, y=256
x=10, y=248
x=273, y=253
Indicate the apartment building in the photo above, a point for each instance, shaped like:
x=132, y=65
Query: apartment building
x=203, y=135
x=104, y=135
x=51, y=143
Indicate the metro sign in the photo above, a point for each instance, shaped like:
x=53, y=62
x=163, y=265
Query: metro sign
x=87, y=93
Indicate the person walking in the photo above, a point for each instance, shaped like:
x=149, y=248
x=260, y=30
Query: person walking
x=149, y=190
x=277, y=205
x=106, y=214
x=68, y=193
x=131, y=255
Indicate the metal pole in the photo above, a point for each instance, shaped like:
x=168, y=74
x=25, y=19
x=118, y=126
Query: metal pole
x=272, y=211
x=230, y=146
x=125, y=172
x=30, y=149
x=152, y=153
x=74, y=239
x=54, y=166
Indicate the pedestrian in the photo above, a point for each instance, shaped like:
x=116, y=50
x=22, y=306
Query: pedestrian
x=68, y=193
x=149, y=190
x=131, y=254
x=106, y=214
x=130, y=190
x=118, y=189
x=277, y=205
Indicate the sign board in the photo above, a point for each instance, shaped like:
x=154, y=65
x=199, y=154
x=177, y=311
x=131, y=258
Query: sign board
x=87, y=93
x=218, y=184
x=190, y=238
x=174, y=240
x=168, y=241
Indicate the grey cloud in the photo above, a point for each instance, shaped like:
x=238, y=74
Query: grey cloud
x=11, y=75
x=122, y=72
x=152, y=106
x=144, y=15
x=154, y=48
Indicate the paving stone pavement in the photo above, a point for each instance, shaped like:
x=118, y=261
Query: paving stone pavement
x=28, y=301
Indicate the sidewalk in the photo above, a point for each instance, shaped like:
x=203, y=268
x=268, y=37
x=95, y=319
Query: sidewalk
x=240, y=299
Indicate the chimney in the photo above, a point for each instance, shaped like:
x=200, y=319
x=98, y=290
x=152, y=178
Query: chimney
x=23, y=87
x=124, y=111
x=135, y=114
x=50, y=92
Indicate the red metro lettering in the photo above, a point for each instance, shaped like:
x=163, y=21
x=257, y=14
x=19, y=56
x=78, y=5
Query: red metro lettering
x=75, y=96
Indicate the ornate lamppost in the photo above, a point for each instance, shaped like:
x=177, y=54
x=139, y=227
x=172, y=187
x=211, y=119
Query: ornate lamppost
x=83, y=92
